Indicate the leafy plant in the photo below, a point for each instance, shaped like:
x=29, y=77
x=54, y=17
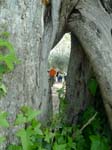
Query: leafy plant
x=33, y=136
x=3, y=123
x=62, y=102
x=98, y=142
x=10, y=58
x=92, y=86
x=89, y=134
x=7, y=59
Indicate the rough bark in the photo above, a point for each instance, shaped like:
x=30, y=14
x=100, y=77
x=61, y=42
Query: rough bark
x=28, y=83
x=92, y=25
x=79, y=73
x=91, y=22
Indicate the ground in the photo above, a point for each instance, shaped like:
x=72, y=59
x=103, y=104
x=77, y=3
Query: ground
x=55, y=99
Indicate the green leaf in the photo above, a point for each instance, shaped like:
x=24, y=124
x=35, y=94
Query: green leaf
x=31, y=114
x=9, y=62
x=3, y=88
x=9, y=58
x=8, y=45
x=71, y=144
x=40, y=148
x=20, y=119
x=61, y=139
x=37, y=130
x=3, y=68
x=48, y=136
x=59, y=147
x=92, y=86
x=98, y=143
x=26, y=144
x=88, y=113
x=24, y=109
x=80, y=140
x=14, y=147
x=2, y=139
x=3, y=121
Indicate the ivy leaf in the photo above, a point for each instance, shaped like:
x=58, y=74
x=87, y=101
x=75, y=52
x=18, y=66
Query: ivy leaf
x=3, y=68
x=3, y=121
x=31, y=114
x=26, y=144
x=8, y=45
x=9, y=58
x=92, y=86
x=71, y=144
x=3, y=88
x=48, y=136
x=80, y=140
x=14, y=147
x=88, y=113
x=98, y=143
x=59, y=147
x=9, y=61
x=40, y=148
x=38, y=130
x=61, y=139
x=20, y=119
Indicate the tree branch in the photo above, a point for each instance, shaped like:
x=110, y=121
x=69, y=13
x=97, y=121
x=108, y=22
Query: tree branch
x=89, y=122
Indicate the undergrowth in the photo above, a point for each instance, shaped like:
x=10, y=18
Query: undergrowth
x=91, y=133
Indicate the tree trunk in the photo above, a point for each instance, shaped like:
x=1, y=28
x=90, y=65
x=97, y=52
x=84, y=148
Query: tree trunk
x=28, y=83
x=91, y=22
x=92, y=25
x=79, y=73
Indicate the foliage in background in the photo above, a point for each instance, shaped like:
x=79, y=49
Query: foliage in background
x=60, y=61
x=59, y=56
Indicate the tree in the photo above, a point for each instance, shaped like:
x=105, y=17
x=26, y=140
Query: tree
x=28, y=83
x=90, y=21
